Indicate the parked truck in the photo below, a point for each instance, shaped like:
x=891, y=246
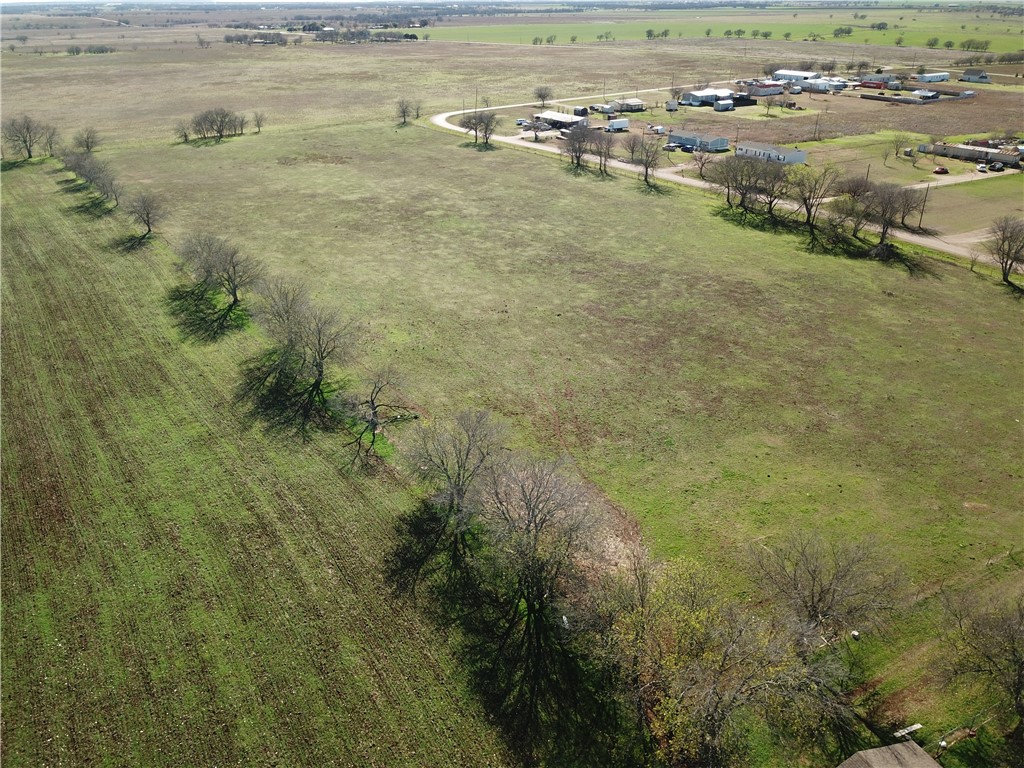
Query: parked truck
x=618, y=124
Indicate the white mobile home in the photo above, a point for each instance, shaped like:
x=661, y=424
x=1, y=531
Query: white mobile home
x=933, y=77
x=795, y=75
x=767, y=88
x=708, y=96
x=770, y=152
x=699, y=142
x=629, y=105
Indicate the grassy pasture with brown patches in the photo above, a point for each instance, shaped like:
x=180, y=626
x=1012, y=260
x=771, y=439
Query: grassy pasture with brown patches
x=718, y=383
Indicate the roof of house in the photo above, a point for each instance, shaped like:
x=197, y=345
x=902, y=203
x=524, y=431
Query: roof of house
x=795, y=73
x=974, y=72
x=906, y=754
x=767, y=147
x=560, y=117
x=721, y=93
x=628, y=101
x=923, y=93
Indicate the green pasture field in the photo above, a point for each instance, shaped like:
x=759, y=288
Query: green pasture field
x=916, y=26
x=178, y=588
x=968, y=207
x=862, y=155
x=720, y=384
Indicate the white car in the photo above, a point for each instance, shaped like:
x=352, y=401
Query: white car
x=981, y=167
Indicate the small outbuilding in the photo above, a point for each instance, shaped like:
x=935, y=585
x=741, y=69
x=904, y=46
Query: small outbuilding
x=975, y=76
x=770, y=152
x=906, y=754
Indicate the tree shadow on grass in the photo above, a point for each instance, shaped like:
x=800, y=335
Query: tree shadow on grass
x=129, y=243
x=274, y=392
x=95, y=207
x=555, y=706
x=479, y=146
x=654, y=190
x=10, y=165
x=73, y=186
x=199, y=317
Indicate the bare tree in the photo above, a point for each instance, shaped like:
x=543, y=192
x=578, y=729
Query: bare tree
x=828, y=588
x=899, y=142
x=539, y=529
x=259, y=119
x=148, y=209
x=488, y=122
x=631, y=143
x=543, y=93
x=214, y=262
x=471, y=122
x=910, y=201
x=575, y=146
x=403, y=109
x=51, y=140
x=183, y=130
x=22, y=134
x=1006, y=245
x=86, y=140
x=648, y=156
x=456, y=456
x=986, y=643
x=810, y=187
x=376, y=412
x=772, y=185
x=602, y=146
x=288, y=385
x=702, y=160
x=886, y=204
x=110, y=187
x=856, y=202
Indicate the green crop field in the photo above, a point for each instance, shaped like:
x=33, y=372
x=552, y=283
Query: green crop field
x=180, y=588
x=914, y=26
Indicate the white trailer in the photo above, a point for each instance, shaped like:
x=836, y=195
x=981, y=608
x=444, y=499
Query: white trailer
x=618, y=124
x=933, y=77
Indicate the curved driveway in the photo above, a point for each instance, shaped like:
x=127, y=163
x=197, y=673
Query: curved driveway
x=963, y=245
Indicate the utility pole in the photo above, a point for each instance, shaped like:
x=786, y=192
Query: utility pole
x=923, y=204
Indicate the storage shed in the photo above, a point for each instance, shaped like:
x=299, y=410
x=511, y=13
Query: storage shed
x=975, y=76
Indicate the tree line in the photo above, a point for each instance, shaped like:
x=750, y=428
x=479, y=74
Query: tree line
x=648, y=661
